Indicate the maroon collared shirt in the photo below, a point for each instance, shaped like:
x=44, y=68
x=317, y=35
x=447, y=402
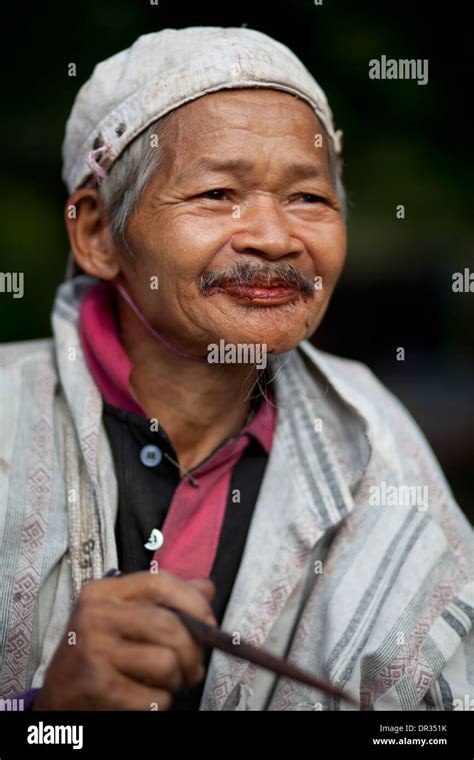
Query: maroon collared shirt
x=189, y=535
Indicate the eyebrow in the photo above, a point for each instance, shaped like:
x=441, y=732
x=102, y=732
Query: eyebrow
x=240, y=166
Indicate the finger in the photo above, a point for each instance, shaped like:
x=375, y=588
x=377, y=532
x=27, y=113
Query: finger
x=205, y=586
x=126, y=694
x=156, y=626
x=159, y=588
x=154, y=666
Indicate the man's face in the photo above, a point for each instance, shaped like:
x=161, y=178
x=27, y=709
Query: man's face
x=237, y=224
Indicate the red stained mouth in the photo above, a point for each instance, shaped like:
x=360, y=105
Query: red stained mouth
x=269, y=293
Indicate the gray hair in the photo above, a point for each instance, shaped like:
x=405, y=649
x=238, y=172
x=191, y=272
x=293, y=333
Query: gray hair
x=128, y=177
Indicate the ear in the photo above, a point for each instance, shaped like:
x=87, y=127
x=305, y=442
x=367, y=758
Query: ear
x=90, y=236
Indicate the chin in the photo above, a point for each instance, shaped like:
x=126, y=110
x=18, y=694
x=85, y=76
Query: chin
x=276, y=340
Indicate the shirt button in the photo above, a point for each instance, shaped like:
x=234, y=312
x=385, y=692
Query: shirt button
x=150, y=455
x=155, y=541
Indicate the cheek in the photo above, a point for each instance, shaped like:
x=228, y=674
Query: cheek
x=329, y=253
x=189, y=244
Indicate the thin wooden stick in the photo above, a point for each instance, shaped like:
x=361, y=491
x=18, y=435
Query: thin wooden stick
x=214, y=638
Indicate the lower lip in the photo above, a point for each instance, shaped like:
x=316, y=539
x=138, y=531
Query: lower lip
x=267, y=296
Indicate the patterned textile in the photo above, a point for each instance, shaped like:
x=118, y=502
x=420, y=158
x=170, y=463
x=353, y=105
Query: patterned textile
x=373, y=594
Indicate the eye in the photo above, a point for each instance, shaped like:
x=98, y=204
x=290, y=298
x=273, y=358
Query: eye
x=213, y=195
x=310, y=198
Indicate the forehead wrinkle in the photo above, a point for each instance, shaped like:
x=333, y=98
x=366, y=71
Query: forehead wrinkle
x=293, y=171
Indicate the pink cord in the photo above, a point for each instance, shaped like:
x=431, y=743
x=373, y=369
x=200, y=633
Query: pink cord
x=152, y=330
x=91, y=161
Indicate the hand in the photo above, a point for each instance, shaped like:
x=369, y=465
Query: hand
x=131, y=653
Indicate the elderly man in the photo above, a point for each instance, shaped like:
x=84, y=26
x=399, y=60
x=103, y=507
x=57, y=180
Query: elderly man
x=180, y=426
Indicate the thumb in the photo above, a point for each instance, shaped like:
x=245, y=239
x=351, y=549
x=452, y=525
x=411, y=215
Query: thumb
x=205, y=586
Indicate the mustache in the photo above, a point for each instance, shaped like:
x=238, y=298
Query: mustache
x=246, y=272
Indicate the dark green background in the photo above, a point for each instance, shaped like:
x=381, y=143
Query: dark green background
x=403, y=143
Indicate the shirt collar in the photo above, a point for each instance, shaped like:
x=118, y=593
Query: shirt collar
x=111, y=366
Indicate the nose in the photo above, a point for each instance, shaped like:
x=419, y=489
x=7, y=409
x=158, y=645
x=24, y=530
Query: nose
x=264, y=231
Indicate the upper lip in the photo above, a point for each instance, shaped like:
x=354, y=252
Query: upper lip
x=258, y=284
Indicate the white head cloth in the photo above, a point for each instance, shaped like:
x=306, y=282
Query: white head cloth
x=164, y=70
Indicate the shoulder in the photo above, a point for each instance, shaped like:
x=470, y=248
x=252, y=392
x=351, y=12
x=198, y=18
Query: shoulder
x=25, y=351
x=389, y=423
x=23, y=365
x=400, y=452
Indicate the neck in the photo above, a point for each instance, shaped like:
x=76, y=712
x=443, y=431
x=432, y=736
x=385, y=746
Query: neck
x=198, y=404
